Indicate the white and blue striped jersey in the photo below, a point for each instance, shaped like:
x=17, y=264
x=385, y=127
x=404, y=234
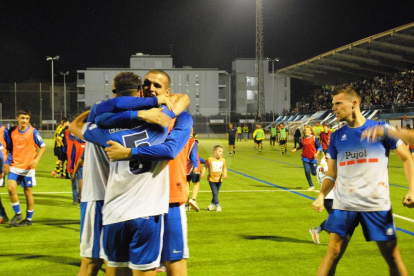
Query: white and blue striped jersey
x=135, y=188
x=362, y=169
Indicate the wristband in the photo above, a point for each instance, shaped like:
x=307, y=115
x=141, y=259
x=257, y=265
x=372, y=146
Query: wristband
x=330, y=178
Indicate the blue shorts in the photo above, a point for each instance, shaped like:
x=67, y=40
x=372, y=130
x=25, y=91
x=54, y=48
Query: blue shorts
x=134, y=243
x=91, y=230
x=175, y=245
x=24, y=181
x=377, y=226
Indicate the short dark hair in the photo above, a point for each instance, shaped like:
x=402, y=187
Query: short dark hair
x=217, y=146
x=162, y=72
x=126, y=82
x=23, y=111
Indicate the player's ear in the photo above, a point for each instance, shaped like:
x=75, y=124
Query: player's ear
x=168, y=91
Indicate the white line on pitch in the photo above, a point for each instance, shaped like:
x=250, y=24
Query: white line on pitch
x=248, y=191
x=41, y=193
x=404, y=218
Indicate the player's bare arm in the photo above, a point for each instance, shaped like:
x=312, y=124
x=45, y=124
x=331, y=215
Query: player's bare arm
x=39, y=155
x=203, y=172
x=181, y=104
x=167, y=100
x=327, y=185
x=374, y=133
x=408, y=162
x=155, y=116
x=116, y=151
x=77, y=124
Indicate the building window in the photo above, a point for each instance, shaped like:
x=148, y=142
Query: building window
x=197, y=80
x=187, y=81
x=251, y=81
x=251, y=108
x=251, y=95
x=285, y=95
x=285, y=81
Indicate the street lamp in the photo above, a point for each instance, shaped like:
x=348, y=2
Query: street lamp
x=53, y=87
x=64, y=90
x=273, y=84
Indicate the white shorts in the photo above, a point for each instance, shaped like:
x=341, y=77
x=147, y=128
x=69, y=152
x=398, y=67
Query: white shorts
x=91, y=230
x=175, y=245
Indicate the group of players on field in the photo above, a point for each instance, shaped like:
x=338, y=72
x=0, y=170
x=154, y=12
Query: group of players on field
x=136, y=162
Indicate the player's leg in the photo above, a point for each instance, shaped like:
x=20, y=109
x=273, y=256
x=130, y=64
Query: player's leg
x=307, y=168
x=14, y=198
x=175, y=246
x=91, y=243
x=336, y=248
x=176, y=268
x=75, y=195
x=218, y=185
x=3, y=216
x=379, y=227
x=90, y=266
x=213, y=188
x=195, y=177
x=392, y=256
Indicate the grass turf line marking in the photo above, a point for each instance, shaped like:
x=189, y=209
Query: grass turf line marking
x=404, y=218
x=297, y=193
x=294, y=165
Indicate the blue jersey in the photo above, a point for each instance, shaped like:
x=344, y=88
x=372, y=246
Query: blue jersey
x=96, y=162
x=135, y=188
x=362, y=169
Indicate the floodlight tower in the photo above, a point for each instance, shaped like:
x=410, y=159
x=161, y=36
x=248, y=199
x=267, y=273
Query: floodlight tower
x=259, y=62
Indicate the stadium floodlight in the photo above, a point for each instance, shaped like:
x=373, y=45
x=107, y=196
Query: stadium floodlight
x=64, y=90
x=273, y=84
x=53, y=86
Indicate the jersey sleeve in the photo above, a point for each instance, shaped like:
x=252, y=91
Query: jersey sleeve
x=317, y=144
x=172, y=146
x=38, y=139
x=92, y=133
x=120, y=119
x=193, y=155
x=125, y=119
x=126, y=103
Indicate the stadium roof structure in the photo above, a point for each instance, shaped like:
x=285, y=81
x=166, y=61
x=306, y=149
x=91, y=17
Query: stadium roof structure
x=384, y=53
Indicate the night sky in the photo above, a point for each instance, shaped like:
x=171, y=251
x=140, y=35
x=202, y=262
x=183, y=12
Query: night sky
x=203, y=33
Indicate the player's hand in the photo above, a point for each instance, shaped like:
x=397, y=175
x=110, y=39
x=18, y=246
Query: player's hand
x=155, y=116
x=408, y=200
x=116, y=151
x=73, y=178
x=6, y=169
x=34, y=164
x=317, y=205
x=1, y=175
x=167, y=100
x=202, y=175
x=373, y=134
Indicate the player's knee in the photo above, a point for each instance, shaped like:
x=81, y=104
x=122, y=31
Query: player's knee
x=334, y=252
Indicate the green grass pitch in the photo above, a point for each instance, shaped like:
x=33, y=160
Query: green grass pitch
x=263, y=229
